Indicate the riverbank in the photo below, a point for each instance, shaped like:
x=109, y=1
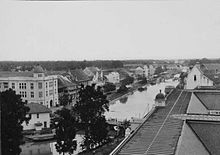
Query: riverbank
x=116, y=96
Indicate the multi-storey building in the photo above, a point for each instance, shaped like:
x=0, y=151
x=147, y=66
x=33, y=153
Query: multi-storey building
x=33, y=86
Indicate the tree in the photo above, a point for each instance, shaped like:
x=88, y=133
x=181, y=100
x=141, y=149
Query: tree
x=13, y=114
x=128, y=80
x=65, y=99
x=109, y=87
x=65, y=126
x=90, y=108
x=158, y=70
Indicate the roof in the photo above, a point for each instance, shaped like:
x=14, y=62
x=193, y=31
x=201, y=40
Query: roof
x=211, y=100
x=26, y=74
x=64, y=82
x=38, y=69
x=159, y=134
x=212, y=66
x=93, y=69
x=208, y=133
x=214, y=77
x=79, y=75
x=16, y=74
x=123, y=73
x=37, y=108
x=139, y=68
x=160, y=96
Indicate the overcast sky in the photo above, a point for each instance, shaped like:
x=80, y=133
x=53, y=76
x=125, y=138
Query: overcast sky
x=109, y=29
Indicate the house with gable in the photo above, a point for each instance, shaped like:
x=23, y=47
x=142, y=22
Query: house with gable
x=139, y=71
x=200, y=75
x=39, y=117
x=94, y=73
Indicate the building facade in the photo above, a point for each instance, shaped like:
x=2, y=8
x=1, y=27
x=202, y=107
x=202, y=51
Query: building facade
x=34, y=86
x=113, y=77
x=39, y=117
x=196, y=78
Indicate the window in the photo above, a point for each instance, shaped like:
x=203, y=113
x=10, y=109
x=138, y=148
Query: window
x=46, y=84
x=23, y=93
x=40, y=85
x=40, y=75
x=40, y=94
x=50, y=92
x=194, y=77
x=5, y=84
x=30, y=116
x=45, y=124
x=32, y=86
x=22, y=86
x=13, y=85
x=46, y=93
x=37, y=115
x=51, y=84
x=32, y=94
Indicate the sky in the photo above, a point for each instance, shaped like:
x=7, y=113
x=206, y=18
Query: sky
x=102, y=30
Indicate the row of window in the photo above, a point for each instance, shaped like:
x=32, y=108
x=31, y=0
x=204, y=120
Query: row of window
x=24, y=85
x=24, y=93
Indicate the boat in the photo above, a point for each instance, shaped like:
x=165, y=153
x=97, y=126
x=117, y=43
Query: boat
x=142, y=88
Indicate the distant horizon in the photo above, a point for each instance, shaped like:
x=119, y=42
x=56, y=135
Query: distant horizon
x=111, y=60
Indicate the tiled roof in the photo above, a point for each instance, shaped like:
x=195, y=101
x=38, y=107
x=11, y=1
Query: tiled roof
x=123, y=73
x=160, y=133
x=93, y=69
x=79, y=75
x=214, y=77
x=212, y=66
x=37, y=108
x=208, y=133
x=64, y=82
x=211, y=100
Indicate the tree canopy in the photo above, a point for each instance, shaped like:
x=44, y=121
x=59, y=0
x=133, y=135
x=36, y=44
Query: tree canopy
x=13, y=114
x=65, y=125
x=65, y=99
x=90, y=108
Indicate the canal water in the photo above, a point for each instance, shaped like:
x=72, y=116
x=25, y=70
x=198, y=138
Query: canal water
x=135, y=104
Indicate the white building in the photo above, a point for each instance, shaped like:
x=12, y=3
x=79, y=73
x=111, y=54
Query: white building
x=139, y=71
x=34, y=86
x=113, y=77
x=151, y=70
x=146, y=71
x=196, y=77
x=40, y=117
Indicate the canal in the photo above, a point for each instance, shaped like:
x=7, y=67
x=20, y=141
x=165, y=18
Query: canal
x=135, y=104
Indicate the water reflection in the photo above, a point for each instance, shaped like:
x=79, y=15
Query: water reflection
x=46, y=148
x=136, y=104
x=36, y=149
